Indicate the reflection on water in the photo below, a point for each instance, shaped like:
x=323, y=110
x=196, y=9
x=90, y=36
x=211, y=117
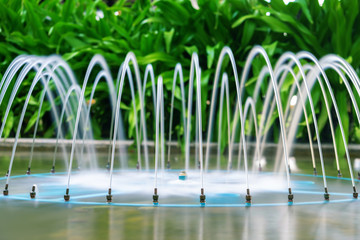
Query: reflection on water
x=23, y=220
x=33, y=220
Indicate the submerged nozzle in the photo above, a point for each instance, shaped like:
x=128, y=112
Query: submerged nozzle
x=52, y=169
x=28, y=172
x=6, y=191
x=290, y=196
x=109, y=196
x=182, y=175
x=202, y=197
x=155, y=197
x=355, y=194
x=326, y=195
x=33, y=192
x=339, y=174
x=315, y=172
x=67, y=196
x=248, y=197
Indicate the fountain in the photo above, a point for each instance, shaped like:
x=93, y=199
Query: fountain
x=217, y=180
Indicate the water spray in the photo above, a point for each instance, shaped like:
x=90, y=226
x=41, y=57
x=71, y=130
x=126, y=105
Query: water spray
x=307, y=79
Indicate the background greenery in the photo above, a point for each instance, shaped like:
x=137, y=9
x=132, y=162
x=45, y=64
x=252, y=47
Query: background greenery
x=166, y=32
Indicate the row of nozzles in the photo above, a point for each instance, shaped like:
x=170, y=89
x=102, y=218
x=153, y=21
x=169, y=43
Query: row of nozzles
x=303, y=69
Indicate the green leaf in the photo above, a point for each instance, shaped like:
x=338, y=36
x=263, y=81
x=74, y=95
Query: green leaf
x=68, y=9
x=305, y=9
x=157, y=57
x=168, y=38
x=191, y=49
x=174, y=12
x=34, y=21
x=8, y=125
x=243, y=19
x=45, y=108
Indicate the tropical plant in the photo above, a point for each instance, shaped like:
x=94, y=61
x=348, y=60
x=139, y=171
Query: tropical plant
x=166, y=32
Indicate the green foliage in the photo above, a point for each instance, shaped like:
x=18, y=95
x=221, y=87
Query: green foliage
x=166, y=32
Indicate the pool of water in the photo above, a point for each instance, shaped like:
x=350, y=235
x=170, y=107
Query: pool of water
x=178, y=215
x=32, y=220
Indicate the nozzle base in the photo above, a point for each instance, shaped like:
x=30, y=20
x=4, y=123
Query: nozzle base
x=155, y=199
x=32, y=195
x=326, y=196
x=67, y=197
x=290, y=197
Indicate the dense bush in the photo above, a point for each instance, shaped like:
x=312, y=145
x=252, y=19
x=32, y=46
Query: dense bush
x=166, y=32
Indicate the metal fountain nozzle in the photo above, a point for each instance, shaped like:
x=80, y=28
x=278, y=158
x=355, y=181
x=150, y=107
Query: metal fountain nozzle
x=290, y=196
x=52, y=169
x=339, y=174
x=67, y=196
x=33, y=192
x=355, y=194
x=109, y=196
x=6, y=191
x=155, y=197
x=202, y=197
x=248, y=197
x=108, y=166
x=28, y=172
x=326, y=195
